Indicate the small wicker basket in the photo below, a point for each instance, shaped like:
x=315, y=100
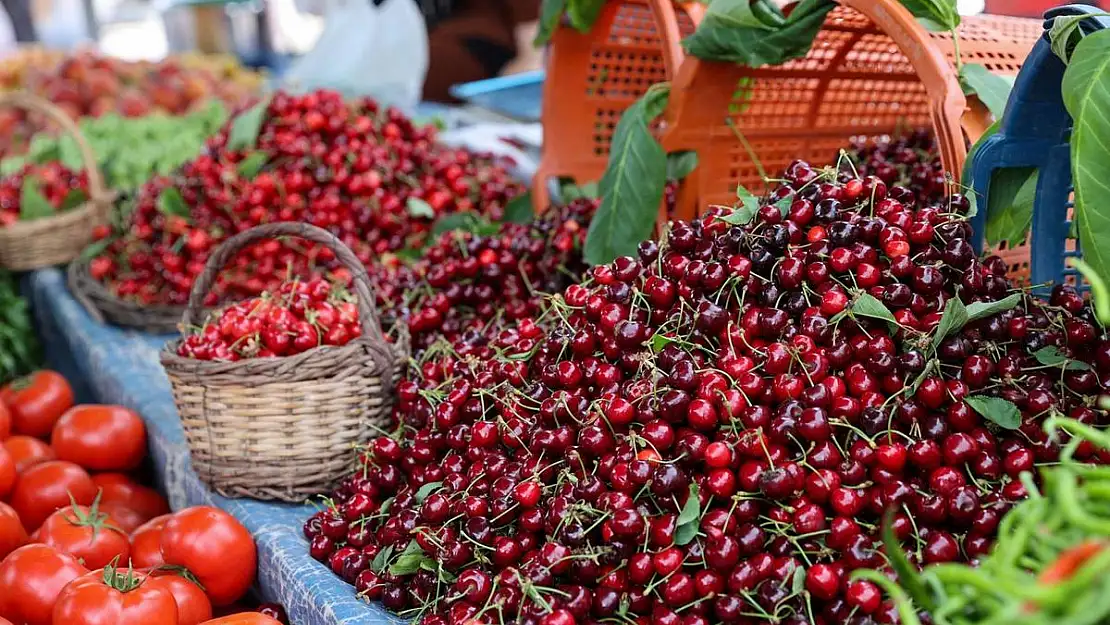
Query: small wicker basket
x=58, y=239
x=105, y=307
x=285, y=428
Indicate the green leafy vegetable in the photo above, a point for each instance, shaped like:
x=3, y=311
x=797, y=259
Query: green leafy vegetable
x=757, y=35
x=996, y=410
x=1010, y=209
x=1086, y=91
x=907, y=574
x=250, y=166
x=426, y=490
x=936, y=14
x=583, y=13
x=632, y=186
x=689, y=518
x=551, y=12
x=982, y=310
x=409, y=561
x=991, y=89
x=953, y=318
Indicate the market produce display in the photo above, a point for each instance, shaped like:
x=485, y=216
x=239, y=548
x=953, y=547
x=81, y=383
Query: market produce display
x=86, y=84
x=1051, y=561
x=34, y=191
x=19, y=347
x=369, y=174
x=74, y=519
x=129, y=150
x=711, y=432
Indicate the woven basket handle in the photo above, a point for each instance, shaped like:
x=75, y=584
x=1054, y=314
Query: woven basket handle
x=368, y=311
x=21, y=99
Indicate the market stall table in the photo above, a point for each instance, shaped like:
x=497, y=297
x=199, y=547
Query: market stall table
x=122, y=367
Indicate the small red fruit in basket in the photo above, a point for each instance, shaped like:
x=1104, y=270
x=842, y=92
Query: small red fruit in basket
x=37, y=191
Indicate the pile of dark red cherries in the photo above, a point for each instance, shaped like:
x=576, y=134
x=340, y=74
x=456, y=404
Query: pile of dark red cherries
x=712, y=431
x=367, y=174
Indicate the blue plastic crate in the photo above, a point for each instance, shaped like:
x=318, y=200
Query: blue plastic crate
x=518, y=96
x=1035, y=132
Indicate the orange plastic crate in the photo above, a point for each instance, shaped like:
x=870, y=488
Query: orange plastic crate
x=592, y=78
x=873, y=69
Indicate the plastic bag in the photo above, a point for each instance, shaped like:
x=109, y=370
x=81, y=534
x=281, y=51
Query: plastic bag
x=379, y=51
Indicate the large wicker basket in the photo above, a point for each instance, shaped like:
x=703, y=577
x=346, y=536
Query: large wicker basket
x=58, y=239
x=285, y=428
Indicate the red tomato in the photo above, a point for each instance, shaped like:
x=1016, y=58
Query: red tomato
x=214, y=547
x=146, y=543
x=5, y=421
x=119, y=488
x=37, y=401
x=193, y=606
x=12, y=534
x=100, y=438
x=31, y=578
x=115, y=596
x=27, y=451
x=244, y=618
x=48, y=487
x=123, y=517
x=87, y=534
x=7, y=473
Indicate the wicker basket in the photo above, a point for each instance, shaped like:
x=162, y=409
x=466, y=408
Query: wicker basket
x=55, y=240
x=285, y=428
x=103, y=306
x=872, y=70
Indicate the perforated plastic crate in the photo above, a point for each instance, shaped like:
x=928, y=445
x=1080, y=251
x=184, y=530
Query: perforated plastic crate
x=593, y=78
x=872, y=70
x=1034, y=133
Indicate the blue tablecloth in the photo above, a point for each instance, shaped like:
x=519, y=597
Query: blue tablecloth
x=114, y=366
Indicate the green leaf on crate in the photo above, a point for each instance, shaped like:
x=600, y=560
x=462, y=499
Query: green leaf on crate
x=908, y=576
x=1010, y=210
x=1086, y=91
x=996, y=410
x=583, y=13
x=32, y=203
x=982, y=310
x=680, y=164
x=757, y=35
x=381, y=559
x=519, y=209
x=632, y=186
x=73, y=199
x=409, y=561
x=419, y=208
x=867, y=305
x=953, y=318
x=427, y=490
x=991, y=89
x=935, y=13
x=1053, y=357
x=250, y=166
x=246, y=126
x=170, y=202
x=551, y=14
x=1067, y=32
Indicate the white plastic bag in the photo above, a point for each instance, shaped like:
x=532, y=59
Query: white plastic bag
x=367, y=50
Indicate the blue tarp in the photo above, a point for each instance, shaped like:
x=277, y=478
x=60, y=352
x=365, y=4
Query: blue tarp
x=115, y=366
